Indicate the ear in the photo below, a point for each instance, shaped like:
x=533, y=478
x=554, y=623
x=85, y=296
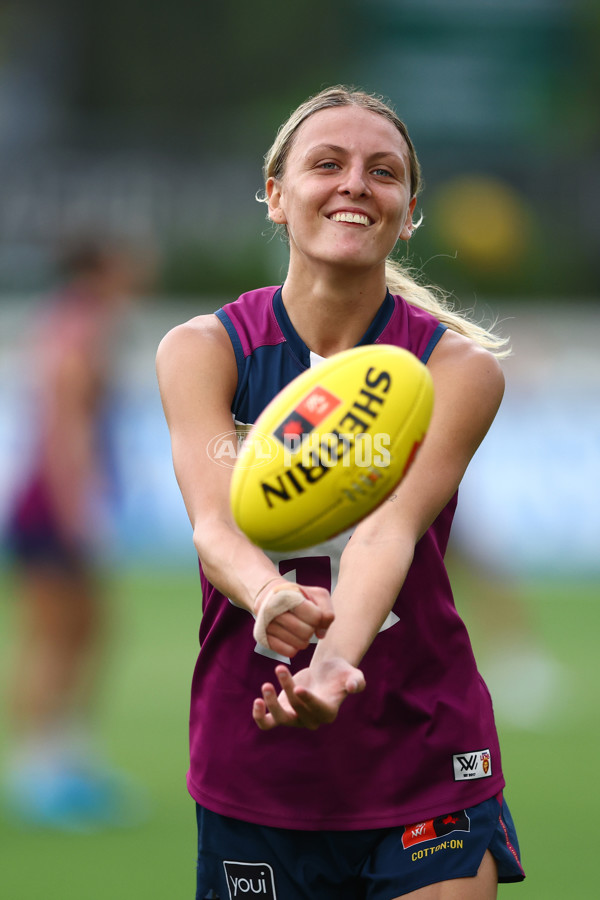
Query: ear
x=276, y=213
x=407, y=228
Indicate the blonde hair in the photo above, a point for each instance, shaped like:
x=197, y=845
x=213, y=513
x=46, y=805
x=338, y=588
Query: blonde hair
x=399, y=278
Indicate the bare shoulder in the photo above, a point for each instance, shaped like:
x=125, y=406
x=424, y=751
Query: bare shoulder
x=198, y=344
x=196, y=359
x=469, y=385
x=203, y=333
x=468, y=366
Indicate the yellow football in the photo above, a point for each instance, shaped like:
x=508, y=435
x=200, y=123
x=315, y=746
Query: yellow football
x=331, y=446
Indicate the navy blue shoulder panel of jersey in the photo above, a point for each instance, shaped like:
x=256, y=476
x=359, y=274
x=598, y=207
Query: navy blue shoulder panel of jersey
x=433, y=342
x=271, y=366
x=233, y=337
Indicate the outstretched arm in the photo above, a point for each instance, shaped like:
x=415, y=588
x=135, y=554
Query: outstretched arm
x=197, y=375
x=468, y=385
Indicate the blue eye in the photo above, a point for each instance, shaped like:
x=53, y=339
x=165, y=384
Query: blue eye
x=382, y=172
x=328, y=165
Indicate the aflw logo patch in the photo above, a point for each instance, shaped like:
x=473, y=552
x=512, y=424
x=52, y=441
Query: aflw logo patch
x=468, y=766
x=249, y=880
x=435, y=828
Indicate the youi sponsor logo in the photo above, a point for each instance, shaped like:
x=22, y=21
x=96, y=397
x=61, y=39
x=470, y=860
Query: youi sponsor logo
x=246, y=880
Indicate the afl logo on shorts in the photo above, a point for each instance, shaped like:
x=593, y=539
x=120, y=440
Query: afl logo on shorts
x=249, y=880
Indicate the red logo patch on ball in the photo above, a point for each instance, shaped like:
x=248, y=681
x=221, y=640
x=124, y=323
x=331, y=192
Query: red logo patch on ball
x=317, y=405
x=309, y=413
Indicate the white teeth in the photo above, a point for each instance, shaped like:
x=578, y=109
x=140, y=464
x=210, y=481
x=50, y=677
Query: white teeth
x=354, y=218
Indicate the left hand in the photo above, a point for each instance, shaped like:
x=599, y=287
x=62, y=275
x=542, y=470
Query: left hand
x=308, y=699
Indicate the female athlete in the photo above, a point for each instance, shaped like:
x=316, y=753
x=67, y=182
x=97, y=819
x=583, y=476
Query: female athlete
x=366, y=765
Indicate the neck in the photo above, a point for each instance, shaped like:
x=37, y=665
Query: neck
x=331, y=313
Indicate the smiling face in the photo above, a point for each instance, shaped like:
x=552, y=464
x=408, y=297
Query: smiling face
x=345, y=195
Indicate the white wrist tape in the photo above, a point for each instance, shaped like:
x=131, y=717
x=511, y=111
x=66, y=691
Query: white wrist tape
x=280, y=599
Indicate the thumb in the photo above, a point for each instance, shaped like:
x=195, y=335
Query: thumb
x=322, y=600
x=356, y=682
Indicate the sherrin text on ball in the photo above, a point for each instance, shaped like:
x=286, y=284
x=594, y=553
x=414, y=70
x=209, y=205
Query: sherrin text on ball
x=341, y=436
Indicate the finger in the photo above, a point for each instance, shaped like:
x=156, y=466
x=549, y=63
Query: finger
x=286, y=681
x=281, y=646
x=279, y=640
x=280, y=715
x=288, y=633
x=261, y=716
x=290, y=628
x=278, y=601
x=322, y=600
x=316, y=617
x=309, y=710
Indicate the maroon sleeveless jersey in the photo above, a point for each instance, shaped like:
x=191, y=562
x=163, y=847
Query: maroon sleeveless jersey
x=420, y=740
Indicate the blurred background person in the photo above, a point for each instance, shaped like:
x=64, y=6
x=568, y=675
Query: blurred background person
x=54, y=538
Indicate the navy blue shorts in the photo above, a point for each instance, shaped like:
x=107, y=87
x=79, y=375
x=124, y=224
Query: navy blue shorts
x=239, y=860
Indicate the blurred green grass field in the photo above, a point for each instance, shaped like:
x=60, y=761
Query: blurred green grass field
x=552, y=772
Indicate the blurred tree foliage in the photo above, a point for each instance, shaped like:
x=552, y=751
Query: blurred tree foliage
x=504, y=91
x=211, y=71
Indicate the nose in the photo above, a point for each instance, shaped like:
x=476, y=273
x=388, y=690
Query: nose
x=354, y=183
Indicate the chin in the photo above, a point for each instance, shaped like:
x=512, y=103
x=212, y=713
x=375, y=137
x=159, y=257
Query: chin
x=355, y=260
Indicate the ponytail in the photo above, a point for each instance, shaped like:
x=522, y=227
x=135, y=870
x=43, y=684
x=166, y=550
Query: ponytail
x=434, y=300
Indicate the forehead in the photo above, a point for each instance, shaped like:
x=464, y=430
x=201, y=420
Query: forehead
x=349, y=127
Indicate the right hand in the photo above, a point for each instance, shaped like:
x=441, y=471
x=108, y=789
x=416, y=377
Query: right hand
x=292, y=630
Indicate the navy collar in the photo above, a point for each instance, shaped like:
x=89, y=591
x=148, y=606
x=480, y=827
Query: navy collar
x=297, y=345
